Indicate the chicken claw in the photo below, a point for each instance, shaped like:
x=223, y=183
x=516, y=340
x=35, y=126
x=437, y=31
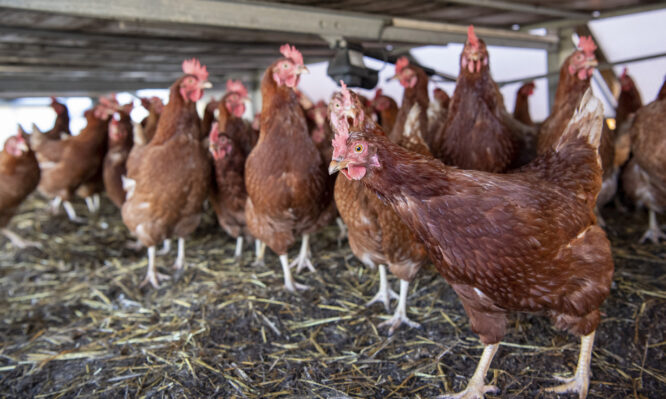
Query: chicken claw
x=71, y=213
x=153, y=277
x=653, y=232
x=580, y=382
x=385, y=293
x=303, y=259
x=476, y=387
x=289, y=283
x=400, y=315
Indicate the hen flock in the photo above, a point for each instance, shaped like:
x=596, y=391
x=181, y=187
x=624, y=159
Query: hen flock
x=506, y=209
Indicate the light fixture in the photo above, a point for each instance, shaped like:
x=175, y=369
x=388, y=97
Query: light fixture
x=347, y=65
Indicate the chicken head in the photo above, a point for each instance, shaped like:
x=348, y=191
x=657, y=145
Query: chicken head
x=235, y=100
x=287, y=70
x=583, y=61
x=16, y=146
x=353, y=155
x=474, y=56
x=194, y=81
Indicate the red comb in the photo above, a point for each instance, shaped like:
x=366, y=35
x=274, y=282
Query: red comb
x=236, y=86
x=193, y=67
x=378, y=93
x=402, y=63
x=587, y=45
x=471, y=36
x=53, y=100
x=624, y=72
x=346, y=95
x=290, y=52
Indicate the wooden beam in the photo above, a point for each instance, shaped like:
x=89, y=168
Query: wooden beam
x=276, y=18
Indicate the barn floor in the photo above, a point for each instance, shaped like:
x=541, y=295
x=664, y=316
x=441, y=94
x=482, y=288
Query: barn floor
x=75, y=324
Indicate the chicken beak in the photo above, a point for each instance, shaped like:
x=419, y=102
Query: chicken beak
x=23, y=146
x=591, y=63
x=335, y=166
x=303, y=69
x=206, y=85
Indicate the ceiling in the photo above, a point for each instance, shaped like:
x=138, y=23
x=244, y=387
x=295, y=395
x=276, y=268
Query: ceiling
x=67, y=47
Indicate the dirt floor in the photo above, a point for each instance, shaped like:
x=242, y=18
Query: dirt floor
x=75, y=324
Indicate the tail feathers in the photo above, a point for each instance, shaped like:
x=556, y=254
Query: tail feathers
x=586, y=122
x=36, y=137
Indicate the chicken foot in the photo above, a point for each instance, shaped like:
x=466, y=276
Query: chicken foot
x=289, y=282
x=385, y=293
x=54, y=207
x=17, y=241
x=71, y=213
x=259, y=251
x=653, y=232
x=476, y=387
x=180, y=258
x=400, y=315
x=580, y=382
x=153, y=277
x=303, y=259
x=92, y=203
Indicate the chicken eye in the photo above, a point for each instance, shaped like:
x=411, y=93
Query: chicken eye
x=337, y=105
x=285, y=65
x=358, y=148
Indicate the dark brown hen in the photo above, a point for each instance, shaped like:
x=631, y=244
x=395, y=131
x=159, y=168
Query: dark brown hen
x=525, y=241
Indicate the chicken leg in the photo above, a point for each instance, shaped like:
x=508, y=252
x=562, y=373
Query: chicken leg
x=400, y=315
x=17, y=241
x=385, y=293
x=166, y=247
x=153, y=277
x=580, y=382
x=238, y=252
x=303, y=259
x=289, y=282
x=653, y=232
x=260, y=251
x=55, y=205
x=343, y=230
x=90, y=204
x=476, y=387
x=180, y=258
x=71, y=213
x=96, y=202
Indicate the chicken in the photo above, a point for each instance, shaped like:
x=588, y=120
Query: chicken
x=66, y=164
x=628, y=103
x=644, y=177
x=168, y=178
x=209, y=116
x=521, y=110
x=61, y=125
x=438, y=112
x=524, y=241
x=662, y=92
x=120, y=143
x=376, y=234
x=90, y=190
x=415, y=82
x=476, y=135
x=19, y=176
x=575, y=75
x=230, y=112
x=386, y=109
x=285, y=177
x=154, y=106
x=228, y=144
